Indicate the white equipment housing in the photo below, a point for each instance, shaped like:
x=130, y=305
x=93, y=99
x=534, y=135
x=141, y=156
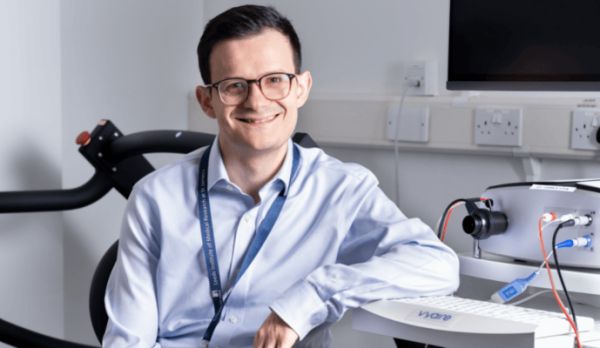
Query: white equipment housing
x=524, y=203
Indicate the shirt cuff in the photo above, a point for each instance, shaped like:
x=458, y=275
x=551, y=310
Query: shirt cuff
x=301, y=308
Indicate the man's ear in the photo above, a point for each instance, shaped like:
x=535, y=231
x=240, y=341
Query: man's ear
x=203, y=94
x=303, y=89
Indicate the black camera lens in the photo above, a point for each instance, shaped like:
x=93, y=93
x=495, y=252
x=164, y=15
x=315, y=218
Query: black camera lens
x=482, y=223
x=471, y=224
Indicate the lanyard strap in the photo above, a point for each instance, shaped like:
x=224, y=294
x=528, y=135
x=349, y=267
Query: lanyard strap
x=208, y=238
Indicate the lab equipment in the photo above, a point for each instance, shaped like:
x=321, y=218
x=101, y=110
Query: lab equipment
x=524, y=203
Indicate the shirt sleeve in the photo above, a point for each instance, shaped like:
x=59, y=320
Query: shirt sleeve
x=383, y=256
x=130, y=298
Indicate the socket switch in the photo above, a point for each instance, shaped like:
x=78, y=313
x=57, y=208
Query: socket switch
x=584, y=126
x=500, y=126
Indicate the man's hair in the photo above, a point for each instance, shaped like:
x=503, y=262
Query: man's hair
x=243, y=21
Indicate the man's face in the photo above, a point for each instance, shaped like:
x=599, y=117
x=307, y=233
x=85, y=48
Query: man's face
x=257, y=124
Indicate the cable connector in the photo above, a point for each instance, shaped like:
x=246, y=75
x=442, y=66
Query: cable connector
x=412, y=83
x=568, y=220
x=513, y=289
x=548, y=217
x=580, y=242
x=566, y=217
x=583, y=220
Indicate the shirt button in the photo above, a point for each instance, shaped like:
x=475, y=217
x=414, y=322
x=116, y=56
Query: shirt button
x=246, y=218
x=233, y=319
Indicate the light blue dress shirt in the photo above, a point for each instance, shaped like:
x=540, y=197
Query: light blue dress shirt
x=339, y=243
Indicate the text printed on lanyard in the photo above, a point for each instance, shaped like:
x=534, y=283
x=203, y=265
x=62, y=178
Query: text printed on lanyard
x=208, y=240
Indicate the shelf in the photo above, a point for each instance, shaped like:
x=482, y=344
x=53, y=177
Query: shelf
x=502, y=269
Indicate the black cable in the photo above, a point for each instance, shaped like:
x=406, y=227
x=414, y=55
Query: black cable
x=445, y=214
x=555, y=256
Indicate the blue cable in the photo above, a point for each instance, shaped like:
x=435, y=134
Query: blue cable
x=518, y=286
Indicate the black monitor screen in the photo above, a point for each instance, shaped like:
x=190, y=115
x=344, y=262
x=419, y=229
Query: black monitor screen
x=524, y=44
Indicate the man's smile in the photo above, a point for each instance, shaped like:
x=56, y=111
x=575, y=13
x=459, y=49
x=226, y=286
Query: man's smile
x=258, y=120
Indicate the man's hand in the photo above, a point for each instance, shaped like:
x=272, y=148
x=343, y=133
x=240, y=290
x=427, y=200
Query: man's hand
x=275, y=333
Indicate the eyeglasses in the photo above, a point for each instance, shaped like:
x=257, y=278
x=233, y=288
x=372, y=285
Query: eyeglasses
x=234, y=91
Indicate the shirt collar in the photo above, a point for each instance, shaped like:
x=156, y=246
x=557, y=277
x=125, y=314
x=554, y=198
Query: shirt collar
x=283, y=175
x=217, y=171
x=216, y=166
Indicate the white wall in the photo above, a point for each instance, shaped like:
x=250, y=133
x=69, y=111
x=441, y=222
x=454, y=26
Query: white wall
x=132, y=62
x=359, y=46
x=31, y=251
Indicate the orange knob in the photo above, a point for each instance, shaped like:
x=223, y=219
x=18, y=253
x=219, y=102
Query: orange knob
x=83, y=138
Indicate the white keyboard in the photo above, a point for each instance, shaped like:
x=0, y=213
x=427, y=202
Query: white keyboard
x=455, y=314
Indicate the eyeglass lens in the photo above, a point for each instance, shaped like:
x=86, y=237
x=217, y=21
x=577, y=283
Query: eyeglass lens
x=273, y=86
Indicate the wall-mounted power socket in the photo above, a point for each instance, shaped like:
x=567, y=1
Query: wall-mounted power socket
x=584, y=126
x=425, y=72
x=500, y=126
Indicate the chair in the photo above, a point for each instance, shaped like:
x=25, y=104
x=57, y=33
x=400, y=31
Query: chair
x=98, y=289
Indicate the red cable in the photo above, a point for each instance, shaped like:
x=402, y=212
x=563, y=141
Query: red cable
x=554, y=292
x=448, y=219
x=443, y=236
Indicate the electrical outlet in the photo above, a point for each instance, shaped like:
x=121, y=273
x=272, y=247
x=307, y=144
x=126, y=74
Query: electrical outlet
x=584, y=126
x=412, y=124
x=423, y=71
x=500, y=126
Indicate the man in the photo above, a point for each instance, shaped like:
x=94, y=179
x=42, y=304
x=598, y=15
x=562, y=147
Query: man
x=255, y=241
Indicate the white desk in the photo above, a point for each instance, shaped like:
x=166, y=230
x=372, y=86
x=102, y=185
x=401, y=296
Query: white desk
x=390, y=319
x=384, y=318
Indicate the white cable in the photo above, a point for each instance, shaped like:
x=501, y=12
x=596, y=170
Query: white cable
x=397, y=113
x=544, y=262
x=437, y=224
x=523, y=300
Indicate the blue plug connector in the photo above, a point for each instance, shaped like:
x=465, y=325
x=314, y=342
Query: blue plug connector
x=513, y=289
x=580, y=242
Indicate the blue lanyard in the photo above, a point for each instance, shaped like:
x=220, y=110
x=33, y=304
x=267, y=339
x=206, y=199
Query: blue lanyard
x=208, y=238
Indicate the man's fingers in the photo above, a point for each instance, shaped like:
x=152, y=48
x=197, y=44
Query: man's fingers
x=273, y=342
x=274, y=333
x=259, y=339
x=264, y=338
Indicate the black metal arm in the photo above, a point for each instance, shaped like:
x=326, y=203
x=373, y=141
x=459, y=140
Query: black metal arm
x=118, y=162
x=20, y=337
x=54, y=200
x=171, y=141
